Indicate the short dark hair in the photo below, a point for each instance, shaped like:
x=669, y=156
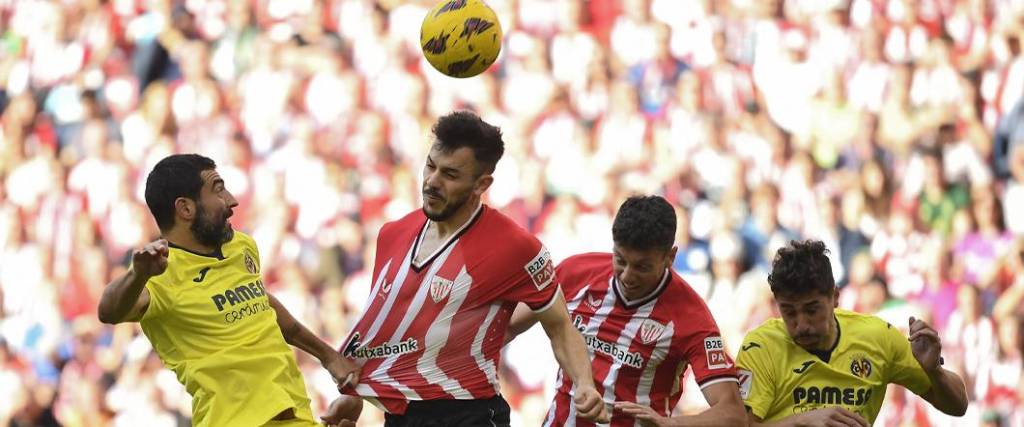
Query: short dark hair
x=465, y=129
x=800, y=268
x=645, y=222
x=175, y=176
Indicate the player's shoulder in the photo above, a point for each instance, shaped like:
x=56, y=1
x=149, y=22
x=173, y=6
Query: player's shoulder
x=586, y=262
x=242, y=239
x=495, y=227
x=864, y=327
x=769, y=334
x=411, y=222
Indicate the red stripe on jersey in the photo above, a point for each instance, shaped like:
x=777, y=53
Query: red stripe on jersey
x=434, y=330
x=639, y=349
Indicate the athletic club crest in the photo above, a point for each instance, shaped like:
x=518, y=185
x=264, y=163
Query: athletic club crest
x=440, y=288
x=650, y=331
x=250, y=264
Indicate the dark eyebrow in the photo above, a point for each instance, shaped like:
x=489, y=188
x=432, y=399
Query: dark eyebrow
x=218, y=181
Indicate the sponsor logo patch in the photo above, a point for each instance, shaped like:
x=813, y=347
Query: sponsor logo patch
x=715, y=351
x=541, y=269
x=746, y=380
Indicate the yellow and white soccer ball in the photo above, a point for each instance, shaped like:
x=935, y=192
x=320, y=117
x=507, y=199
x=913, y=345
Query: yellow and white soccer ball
x=461, y=38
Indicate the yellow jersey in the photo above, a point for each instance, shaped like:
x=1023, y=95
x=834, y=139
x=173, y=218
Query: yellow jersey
x=779, y=379
x=211, y=322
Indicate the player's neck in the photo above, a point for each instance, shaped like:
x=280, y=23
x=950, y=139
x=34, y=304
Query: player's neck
x=451, y=225
x=182, y=237
x=833, y=336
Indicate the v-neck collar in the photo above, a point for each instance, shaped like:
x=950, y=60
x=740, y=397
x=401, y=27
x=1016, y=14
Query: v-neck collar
x=621, y=296
x=451, y=239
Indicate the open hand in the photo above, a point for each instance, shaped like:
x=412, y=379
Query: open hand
x=644, y=414
x=151, y=260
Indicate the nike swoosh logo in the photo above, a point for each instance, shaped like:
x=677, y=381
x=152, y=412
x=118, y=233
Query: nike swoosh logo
x=202, y=275
x=386, y=287
x=803, y=368
x=750, y=346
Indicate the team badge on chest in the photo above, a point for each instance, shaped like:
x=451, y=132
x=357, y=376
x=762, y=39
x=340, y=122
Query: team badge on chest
x=250, y=264
x=650, y=331
x=440, y=288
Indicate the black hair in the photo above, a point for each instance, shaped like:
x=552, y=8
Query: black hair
x=465, y=129
x=645, y=222
x=801, y=268
x=175, y=176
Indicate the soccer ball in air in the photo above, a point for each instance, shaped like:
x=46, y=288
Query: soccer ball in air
x=461, y=38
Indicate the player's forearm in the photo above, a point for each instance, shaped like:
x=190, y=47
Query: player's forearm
x=571, y=353
x=297, y=335
x=720, y=414
x=120, y=296
x=948, y=393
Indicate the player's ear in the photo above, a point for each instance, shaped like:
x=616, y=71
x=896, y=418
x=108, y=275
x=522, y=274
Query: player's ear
x=835, y=298
x=482, y=184
x=185, y=208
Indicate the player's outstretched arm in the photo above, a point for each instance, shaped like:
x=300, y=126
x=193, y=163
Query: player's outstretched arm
x=125, y=299
x=344, y=370
x=947, y=393
x=571, y=353
x=830, y=417
x=726, y=410
x=522, y=320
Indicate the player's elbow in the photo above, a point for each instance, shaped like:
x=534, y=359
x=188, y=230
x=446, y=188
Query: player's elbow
x=107, y=317
x=957, y=408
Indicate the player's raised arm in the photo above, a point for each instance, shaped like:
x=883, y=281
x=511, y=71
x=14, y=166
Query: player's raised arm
x=344, y=371
x=947, y=393
x=125, y=299
x=571, y=353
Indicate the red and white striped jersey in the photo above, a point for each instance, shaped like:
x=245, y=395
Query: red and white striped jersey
x=639, y=350
x=435, y=330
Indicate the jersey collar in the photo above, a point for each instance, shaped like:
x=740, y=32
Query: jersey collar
x=455, y=236
x=216, y=254
x=621, y=296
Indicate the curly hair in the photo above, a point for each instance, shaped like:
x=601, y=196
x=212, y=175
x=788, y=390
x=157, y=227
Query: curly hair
x=465, y=129
x=175, y=176
x=801, y=268
x=645, y=222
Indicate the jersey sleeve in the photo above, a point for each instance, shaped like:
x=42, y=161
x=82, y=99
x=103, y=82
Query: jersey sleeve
x=532, y=277
x=158, y=300
x=568, y=278
x=757, y=379
x=708, y=357
x=904, y=368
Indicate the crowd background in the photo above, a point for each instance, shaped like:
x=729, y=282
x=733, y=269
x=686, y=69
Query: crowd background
x=891, y=129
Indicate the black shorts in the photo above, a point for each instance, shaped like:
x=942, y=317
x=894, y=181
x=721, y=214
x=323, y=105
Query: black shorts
x=456, y=413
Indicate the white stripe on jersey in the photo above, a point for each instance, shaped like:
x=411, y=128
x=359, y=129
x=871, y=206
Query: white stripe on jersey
x=437, y=336
x=377, y=285
x=627, y=336
x=410, y=313
x=477, y=349
x=371, y=332
x=643, y=389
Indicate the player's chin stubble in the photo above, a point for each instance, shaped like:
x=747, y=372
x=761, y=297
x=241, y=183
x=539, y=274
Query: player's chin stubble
x=209, y=232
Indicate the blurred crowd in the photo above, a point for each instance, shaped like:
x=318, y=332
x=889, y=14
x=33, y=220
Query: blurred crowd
x=891, y=129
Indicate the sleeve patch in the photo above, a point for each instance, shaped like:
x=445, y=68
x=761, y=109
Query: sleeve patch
x=714, y=349
x=540, y=269
x=746, y=380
